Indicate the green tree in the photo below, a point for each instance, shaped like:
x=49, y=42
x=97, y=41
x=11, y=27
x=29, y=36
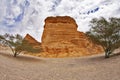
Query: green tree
x=17, y=44
x=105, y=33
x=13, y=42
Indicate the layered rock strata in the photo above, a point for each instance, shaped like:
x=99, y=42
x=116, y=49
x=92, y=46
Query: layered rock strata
x=29, y=40
x=60, y=36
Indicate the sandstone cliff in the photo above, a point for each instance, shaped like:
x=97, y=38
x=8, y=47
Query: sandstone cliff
x=29, y=40
x=61, y=38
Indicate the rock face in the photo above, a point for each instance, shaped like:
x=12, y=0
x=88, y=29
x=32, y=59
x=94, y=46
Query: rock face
x=60, y=36
x=59, y=29
x=29, y=40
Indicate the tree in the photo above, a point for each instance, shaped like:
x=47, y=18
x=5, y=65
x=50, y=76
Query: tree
x=13, y=42
x=105, y=33
x=17, y=44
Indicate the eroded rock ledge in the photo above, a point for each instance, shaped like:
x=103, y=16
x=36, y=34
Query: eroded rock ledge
x=61, y=38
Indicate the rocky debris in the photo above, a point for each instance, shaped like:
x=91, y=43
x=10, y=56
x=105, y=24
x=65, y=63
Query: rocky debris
x=60, y=36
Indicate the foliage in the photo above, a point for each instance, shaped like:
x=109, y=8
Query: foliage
x=13, y=42
x=17, y=44
x=105, y=33
x=30, y=47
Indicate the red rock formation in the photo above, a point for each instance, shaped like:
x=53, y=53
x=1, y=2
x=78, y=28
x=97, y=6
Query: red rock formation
x=29, y=40
x=61, y=36
x=59, y=28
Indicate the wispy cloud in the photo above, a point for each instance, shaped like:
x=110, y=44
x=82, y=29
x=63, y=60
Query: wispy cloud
x=27, y=16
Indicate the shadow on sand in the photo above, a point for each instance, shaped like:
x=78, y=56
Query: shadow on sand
x=102, y=57
x=22, y=57
x=115, y=54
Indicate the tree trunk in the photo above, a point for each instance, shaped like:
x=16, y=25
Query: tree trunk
x=15, y=54
x=107, y=53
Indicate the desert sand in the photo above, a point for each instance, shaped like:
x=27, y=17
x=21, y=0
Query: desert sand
x=25, y=67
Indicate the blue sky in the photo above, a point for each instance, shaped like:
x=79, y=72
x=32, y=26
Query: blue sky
x=27, y=16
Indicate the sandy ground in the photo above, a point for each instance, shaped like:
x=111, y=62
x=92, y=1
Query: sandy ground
x=35, y=68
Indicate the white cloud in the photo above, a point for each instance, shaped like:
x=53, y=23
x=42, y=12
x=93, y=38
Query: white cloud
x=35, y=11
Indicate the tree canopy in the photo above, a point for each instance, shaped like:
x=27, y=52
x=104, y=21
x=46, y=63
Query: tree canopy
x=13, y=42
x=17, y=44
x=105, y=33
